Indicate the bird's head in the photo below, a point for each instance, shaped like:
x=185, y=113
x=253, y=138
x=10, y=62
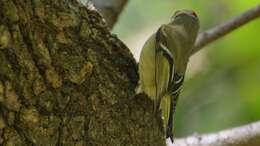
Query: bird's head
x=188, y=18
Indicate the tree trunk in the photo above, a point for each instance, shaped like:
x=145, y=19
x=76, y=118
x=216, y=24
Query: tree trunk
x=66, y=80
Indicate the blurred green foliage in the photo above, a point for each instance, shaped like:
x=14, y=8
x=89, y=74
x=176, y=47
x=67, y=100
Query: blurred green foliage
x=226, y=93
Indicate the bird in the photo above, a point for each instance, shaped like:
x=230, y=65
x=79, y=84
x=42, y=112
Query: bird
x=163, y=63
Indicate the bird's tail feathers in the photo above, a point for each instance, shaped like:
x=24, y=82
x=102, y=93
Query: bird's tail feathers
x=166, y=114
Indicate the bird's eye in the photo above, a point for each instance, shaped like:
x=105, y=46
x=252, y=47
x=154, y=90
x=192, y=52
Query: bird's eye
x=194, y=14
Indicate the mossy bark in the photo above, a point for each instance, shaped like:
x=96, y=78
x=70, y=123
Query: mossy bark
x=66, y=80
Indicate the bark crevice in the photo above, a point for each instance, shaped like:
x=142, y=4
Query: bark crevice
x=69, y=80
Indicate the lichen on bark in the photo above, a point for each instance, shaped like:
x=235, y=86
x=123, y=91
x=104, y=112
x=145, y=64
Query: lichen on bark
x=66, y=80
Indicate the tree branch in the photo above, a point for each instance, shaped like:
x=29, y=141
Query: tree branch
x=219, y=31
x=110, y=9
x=248, y=135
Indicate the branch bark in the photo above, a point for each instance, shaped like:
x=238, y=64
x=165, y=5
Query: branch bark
x=219, y=31
x=248, y=135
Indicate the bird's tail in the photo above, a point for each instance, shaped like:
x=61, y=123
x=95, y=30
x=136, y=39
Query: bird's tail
x=167, y=108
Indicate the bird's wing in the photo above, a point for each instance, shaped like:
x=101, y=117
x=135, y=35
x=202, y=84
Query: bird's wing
x=165, y=69
x=147, y=68
x=164, y=63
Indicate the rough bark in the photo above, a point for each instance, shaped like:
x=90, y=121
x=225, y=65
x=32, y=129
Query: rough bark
x=65, y=80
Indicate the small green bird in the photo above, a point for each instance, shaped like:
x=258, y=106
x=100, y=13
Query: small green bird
x=163, y=63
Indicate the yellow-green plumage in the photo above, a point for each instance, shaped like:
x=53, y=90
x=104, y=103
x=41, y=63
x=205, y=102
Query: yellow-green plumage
x=148, y=81
x=163, y=62
x=165, y=104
